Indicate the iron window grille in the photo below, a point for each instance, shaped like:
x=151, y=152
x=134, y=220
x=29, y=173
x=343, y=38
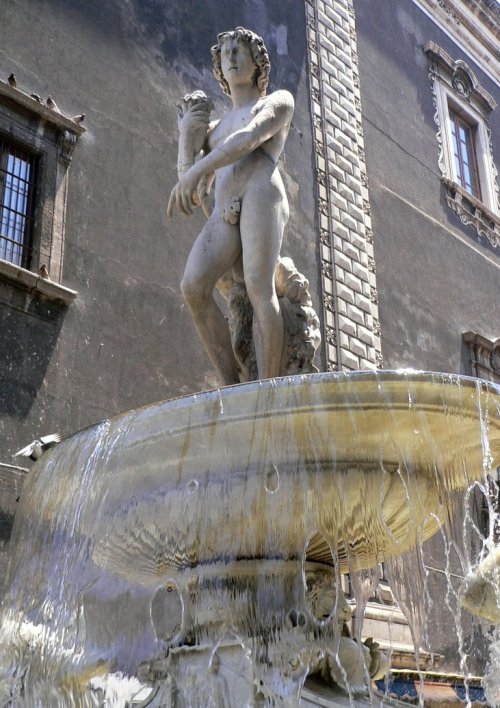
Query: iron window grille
x=17, y=191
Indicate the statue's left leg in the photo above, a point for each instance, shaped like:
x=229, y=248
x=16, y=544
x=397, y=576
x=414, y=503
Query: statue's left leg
x=262, y=222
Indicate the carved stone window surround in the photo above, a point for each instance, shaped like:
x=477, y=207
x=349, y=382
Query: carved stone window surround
x=484, y=356
x=455, y=87
x=51, y=137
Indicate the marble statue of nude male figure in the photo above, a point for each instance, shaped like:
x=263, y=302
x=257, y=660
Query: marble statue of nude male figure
x=250, y=205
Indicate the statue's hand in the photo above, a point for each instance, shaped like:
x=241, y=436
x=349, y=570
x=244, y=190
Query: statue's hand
x=184, y=195
x=194, y=118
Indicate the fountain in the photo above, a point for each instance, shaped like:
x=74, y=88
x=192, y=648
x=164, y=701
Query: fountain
x=193, y=552
x=188, y=545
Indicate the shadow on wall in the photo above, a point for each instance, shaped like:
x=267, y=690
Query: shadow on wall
x=180, y=32
x=30, y=328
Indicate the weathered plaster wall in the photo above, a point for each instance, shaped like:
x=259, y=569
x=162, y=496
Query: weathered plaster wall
x=435, y=278
x=128, y=340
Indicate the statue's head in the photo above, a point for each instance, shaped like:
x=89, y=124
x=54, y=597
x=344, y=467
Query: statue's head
x=257, y=50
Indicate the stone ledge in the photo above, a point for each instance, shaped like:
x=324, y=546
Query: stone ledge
x=34, y=283
x=61, y=121
x=472, y=211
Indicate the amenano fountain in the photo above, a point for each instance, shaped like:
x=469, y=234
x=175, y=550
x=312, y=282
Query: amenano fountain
x=191, y=545
x=191, y=553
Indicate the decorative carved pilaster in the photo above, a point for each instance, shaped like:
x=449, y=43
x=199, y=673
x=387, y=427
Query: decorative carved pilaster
x=344, y=223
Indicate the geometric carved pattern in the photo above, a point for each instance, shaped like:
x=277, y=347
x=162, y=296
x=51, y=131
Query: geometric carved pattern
x=350, y=299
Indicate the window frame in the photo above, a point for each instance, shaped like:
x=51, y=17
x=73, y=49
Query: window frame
x=465, y=149
x=455, y=89
x=448, y=99
x=50, y=137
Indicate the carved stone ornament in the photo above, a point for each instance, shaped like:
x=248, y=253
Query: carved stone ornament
x=67, y=142
x=455, y=78
x=445, y=6
x=484, y=356
x=302, y=327
x=349, y=665
x=461, y=83
x=495, y=359
x=449, y=70
x=471, y=211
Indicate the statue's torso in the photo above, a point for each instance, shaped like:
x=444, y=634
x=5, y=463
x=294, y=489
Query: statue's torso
x=255, y=169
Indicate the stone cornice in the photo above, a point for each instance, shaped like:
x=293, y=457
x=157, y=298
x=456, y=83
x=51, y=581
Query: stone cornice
x=474, y=24
x=60, y=121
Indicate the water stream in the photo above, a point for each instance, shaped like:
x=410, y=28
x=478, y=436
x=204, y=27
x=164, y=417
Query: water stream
x=195, y=548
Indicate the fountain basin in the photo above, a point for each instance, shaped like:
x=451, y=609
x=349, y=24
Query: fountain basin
x=252, y=471
x=200, y=489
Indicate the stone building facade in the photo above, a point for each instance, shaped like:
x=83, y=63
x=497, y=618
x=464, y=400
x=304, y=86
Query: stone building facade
x=401, y=251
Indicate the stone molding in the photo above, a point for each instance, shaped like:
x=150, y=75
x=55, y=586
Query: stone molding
x=48, y=133
x=484, y=356
x=350, y=309
x=463, y=79
x=58, y=120
x=472, y=211
x=473, y=24
x=35, y=284
x=455, y=81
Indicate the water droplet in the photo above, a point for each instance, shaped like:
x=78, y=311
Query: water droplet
x=192, y=486
x=272, y=479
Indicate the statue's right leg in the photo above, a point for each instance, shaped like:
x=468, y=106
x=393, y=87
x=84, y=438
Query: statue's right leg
x=214, y=252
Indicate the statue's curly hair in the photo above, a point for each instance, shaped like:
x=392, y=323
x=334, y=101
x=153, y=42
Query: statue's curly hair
x=258, y=51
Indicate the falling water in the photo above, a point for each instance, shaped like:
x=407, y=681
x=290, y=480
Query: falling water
x=196, y=548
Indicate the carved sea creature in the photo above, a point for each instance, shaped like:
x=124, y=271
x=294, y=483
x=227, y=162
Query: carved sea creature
x=352, y=663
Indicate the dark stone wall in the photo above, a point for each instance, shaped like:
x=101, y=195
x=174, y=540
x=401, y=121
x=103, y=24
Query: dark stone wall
x=435, y=278
x=128, y=339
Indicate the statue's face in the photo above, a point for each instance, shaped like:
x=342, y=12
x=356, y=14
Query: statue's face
x=237, y=63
